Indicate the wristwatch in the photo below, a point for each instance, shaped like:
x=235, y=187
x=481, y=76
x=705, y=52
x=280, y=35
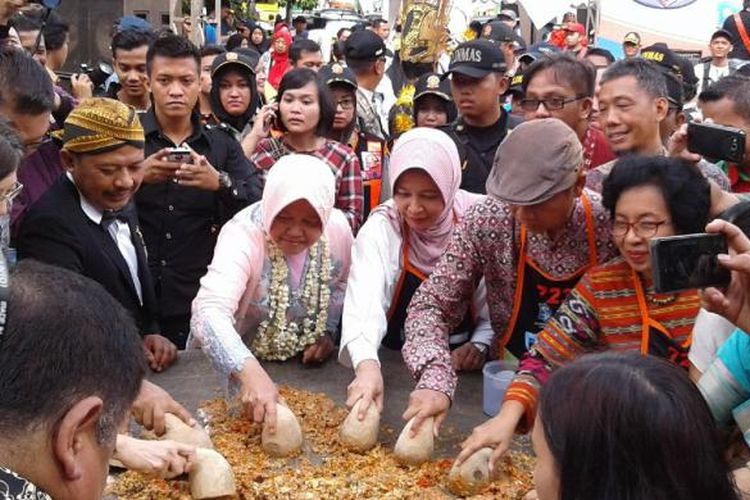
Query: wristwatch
x=482, y=348
x=224, y=180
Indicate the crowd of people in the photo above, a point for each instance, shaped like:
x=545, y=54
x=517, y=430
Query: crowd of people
x=261, y=200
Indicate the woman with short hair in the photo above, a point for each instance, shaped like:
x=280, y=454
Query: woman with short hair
x=614, y=305
x=303, y=113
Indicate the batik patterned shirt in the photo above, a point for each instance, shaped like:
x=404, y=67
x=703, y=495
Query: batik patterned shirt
x=15, y=487
x=487, y=244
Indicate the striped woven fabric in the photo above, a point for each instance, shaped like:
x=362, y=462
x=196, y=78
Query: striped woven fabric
x=601, y=313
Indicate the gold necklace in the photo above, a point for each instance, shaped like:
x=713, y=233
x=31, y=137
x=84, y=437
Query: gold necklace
x=650, y=296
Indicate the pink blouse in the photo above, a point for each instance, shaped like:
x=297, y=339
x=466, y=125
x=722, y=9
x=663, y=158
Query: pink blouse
x=233, y=297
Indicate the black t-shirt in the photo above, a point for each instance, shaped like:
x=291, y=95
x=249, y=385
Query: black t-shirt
x=738, y=48
x=476, y=148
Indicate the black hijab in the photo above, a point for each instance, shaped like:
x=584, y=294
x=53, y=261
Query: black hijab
x=242, y=64
x=265, y=44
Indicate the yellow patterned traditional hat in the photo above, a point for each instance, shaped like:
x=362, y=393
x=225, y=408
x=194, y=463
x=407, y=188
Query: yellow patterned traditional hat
x=99, y=125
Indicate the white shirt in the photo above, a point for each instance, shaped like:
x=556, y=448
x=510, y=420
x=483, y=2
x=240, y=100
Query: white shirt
x=375, y=269
x=715, y=73
x=710, y=331
x=120, y=233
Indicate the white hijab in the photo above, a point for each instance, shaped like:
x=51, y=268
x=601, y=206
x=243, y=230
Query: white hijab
x=298, y=177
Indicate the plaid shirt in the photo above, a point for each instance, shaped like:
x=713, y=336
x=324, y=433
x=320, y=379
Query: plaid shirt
x=342, y=160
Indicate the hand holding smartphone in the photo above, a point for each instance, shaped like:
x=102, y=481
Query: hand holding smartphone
x=688, y=262
x=180, y=155
x=271, y=119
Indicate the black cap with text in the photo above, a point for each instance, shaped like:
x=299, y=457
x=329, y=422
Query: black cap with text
x=476, y=59
x=663, y=56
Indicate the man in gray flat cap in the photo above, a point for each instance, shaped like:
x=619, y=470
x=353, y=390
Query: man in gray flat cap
x=532, y=238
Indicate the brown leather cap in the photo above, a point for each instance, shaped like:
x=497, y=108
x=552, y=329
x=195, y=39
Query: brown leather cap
x=539, y=159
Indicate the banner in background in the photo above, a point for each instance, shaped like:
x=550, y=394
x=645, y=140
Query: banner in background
x=681, y=24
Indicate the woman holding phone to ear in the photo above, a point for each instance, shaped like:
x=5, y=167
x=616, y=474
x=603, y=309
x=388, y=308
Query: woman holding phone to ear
x=614, y=306
x=304, y=111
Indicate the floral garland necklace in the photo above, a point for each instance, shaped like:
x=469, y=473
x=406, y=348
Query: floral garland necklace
x=278, y=339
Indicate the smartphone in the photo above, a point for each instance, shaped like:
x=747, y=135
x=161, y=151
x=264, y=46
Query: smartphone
x=179, y=155
x=717, y=142
x=688, y=262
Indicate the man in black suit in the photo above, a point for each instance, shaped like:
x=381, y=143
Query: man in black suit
x=87, y=222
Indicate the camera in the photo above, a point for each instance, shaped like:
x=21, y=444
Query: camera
x=717, y=142
x=97, y=73
x=179, y=155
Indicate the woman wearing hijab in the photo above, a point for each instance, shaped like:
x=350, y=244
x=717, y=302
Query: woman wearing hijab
x=258, y=39
x=233, y=92
x=278, y=61
x=275, y=287
x=370, y=149
x=396, y=249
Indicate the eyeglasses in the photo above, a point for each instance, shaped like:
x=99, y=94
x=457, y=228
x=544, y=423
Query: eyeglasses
x=551, y=104
x=642, y=229
x=346, y=104
x=7, y=198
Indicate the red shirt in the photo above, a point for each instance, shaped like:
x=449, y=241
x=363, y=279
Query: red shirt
x=596, y=150
x=739, y=181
